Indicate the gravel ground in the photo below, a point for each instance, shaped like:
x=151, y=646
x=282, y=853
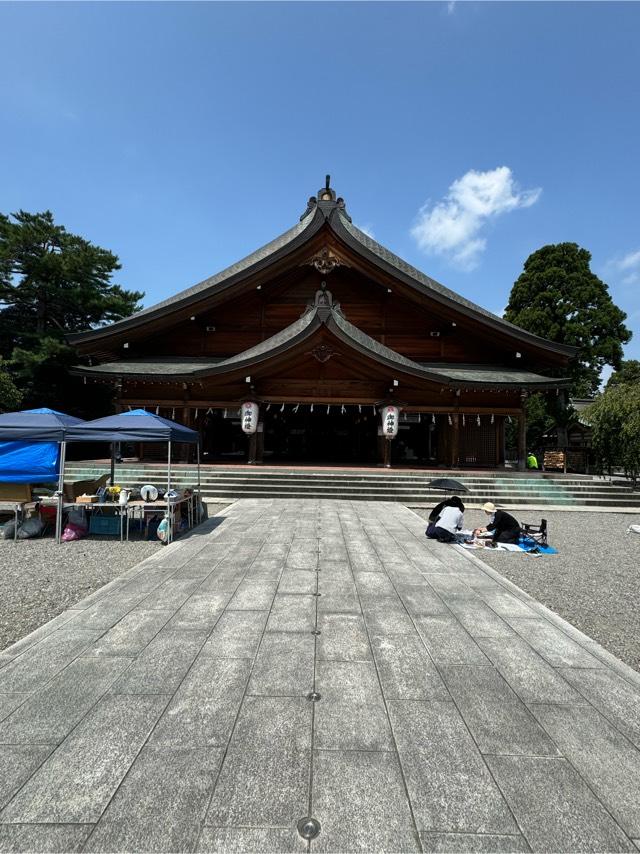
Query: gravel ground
x=594, y=581
x=39, y=579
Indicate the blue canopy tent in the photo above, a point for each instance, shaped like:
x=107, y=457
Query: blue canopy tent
x=19, y=433
x=29, y=462
x=138, y=425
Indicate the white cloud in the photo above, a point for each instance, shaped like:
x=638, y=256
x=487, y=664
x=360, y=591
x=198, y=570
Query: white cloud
x=451, y=5
x=629, y=266
x=631, y=259
x=368, y=230
x=453, y=226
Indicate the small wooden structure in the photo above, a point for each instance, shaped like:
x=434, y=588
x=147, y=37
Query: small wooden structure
x=554, y=461
x=322, y=328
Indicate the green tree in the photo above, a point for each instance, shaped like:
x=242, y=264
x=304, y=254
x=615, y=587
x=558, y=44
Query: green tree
x=614, y=418
x=53, y=283
x=558, y=297
x=538, y=422
x=628, y=372
x=10, y=397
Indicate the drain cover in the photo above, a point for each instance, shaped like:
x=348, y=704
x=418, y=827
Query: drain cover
x=317, y=594
x=314, y=697
x=308, y=828
x=316, y=632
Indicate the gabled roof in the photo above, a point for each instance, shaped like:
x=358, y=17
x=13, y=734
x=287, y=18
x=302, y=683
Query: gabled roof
x=325, y=210
x=323, y=313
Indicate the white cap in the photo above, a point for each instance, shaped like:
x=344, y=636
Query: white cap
x=489, y=507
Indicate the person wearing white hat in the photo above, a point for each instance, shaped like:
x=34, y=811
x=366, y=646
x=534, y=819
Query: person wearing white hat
x=504, y=527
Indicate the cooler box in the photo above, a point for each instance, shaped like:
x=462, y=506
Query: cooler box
x=106, y=525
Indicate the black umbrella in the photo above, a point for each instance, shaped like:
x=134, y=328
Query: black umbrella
x=447, y=484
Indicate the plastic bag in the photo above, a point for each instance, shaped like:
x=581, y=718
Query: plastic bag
x=7, y=531
x=31, y=528
x=78, y=517
x=73, y=532
x=163, y=530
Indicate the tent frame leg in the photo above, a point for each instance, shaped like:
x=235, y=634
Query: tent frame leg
x=169, y=519
x=63, y=454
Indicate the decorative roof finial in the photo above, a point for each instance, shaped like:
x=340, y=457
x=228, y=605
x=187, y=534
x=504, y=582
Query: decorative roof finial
x=326, y=194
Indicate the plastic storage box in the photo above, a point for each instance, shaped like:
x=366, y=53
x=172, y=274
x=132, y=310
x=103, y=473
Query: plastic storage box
x=109, y=525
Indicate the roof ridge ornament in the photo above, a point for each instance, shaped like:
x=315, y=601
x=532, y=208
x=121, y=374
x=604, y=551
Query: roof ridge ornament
x=326, y=193
x=326, y=201
x=324, y=297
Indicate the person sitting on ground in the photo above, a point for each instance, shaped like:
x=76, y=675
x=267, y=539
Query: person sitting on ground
x=532, y=460
x=504, y=527
x=435, y=515
x=449, y=522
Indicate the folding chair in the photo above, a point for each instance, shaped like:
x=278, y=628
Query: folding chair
x=539, y=533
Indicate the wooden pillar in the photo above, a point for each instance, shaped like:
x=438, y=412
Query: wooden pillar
x=189, y=450
x=562, y=432
x=522, y=433
x=386, y=453
x=253, y=449
x=260, y=443
x=455, y=440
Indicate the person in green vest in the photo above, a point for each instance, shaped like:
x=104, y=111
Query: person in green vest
x=532, y=460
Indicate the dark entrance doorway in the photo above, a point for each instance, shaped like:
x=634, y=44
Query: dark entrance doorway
x=320, y=436
x=417, y=440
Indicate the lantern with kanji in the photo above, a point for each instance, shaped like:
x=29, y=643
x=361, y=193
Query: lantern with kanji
x=390, y=418
x=249, y=416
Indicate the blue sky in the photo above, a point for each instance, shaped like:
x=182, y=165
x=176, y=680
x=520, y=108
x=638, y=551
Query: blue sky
x=462, y=135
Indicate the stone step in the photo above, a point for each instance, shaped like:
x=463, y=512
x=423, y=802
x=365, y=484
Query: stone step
x=417, y=499
x=512, y=498
x=261, y=475
x=509, y=489
x=373, y=483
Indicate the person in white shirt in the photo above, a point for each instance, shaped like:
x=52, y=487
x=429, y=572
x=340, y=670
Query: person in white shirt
x=450, y=521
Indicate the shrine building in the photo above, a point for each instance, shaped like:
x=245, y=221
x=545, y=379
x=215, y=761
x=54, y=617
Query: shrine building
x=320, y=330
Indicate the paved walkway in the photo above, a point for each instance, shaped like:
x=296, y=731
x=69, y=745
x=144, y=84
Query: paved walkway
x=169, y=711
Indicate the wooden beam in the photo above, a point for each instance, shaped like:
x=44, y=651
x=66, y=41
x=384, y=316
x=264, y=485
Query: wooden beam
x=455, y=440
x=522, y=434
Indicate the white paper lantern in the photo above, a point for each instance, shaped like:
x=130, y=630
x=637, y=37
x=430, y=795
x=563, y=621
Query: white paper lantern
x=390, y=418
x=249, y=416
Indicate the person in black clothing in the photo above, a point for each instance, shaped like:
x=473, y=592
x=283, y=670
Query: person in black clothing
x=502, y=525
x=454, y=501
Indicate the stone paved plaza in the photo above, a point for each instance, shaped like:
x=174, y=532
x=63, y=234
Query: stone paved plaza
x=169, y=711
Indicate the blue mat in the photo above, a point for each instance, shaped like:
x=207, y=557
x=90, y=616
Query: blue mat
x=529, y=545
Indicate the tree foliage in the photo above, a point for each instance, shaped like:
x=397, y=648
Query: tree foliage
x=614, y=417
x=558, y=297
x=628, y=372
x=10, y=397
x=53, y=283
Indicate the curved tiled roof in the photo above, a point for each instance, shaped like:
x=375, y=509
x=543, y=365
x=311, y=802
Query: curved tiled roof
x=263, y=253
x=432, y=286
x=304, y=327
x=334, y=214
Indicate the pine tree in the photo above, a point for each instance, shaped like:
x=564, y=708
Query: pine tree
x=53, y=283
x=558, y=297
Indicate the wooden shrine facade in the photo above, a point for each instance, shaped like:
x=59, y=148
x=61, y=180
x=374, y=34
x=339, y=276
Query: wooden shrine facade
x=321, y=328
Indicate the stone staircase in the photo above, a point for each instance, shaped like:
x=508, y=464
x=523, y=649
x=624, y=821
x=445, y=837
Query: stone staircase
x=508, y=489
